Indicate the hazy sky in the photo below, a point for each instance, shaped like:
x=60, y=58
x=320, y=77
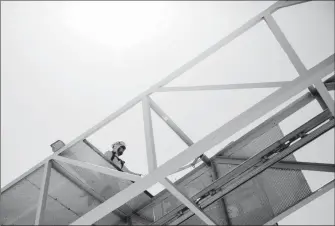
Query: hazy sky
x=67, y=65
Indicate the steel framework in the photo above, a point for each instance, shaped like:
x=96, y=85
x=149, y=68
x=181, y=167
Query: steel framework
x=311, y=79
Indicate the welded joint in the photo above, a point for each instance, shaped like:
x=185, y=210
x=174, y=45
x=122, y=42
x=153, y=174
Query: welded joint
x=155, y=107
x=206, y=160
x=317, y=96
x=327, y=99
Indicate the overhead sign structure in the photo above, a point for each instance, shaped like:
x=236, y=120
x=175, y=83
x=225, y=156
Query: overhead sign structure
x=255, y=179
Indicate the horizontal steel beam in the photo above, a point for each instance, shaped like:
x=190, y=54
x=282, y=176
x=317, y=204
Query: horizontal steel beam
x=225, y=86
x=78, y=181
x=244, y=119
x=257, y=158
x=295, y=106
x=262, y=128
x=169, y=78
x=190, y=64
x=186, y=201
x=267, y=124
x=197, y=160
x=326, y=65
x=249, y=164
x=291, y=149
x=292, y=3
x=249, y=174
x=324, y=101
x=289, y=165
x=83, y=185
x=100, y=169
x=72, y=176
x=321, y=191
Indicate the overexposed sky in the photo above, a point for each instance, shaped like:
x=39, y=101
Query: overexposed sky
x=67, y=65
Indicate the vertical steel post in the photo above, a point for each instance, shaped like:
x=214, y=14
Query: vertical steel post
x=43, y=193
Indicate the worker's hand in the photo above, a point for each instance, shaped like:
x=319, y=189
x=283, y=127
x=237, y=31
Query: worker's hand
x=194, y=162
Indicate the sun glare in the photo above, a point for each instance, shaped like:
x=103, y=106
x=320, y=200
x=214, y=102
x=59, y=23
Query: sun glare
x=116, y=24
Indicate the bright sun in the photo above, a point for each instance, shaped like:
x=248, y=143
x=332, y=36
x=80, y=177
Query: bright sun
x=116, y=24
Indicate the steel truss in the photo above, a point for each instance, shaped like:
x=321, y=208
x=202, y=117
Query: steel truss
x=254, y=166
x=246, y=169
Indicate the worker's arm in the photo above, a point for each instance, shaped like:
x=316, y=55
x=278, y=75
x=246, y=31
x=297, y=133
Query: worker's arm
x=109, y=155
x=125, y=169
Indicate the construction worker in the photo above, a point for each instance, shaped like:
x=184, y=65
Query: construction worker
x=118, y=149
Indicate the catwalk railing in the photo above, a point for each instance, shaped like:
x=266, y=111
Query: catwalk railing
x=311, y=79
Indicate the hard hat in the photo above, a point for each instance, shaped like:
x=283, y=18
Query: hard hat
x=118, y=144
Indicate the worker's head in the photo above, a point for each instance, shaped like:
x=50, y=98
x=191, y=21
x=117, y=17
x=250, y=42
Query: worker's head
x=119, y=147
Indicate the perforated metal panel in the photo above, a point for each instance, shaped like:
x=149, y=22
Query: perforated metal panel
x=254, y=202
x=271, y=192
x=283, y=188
